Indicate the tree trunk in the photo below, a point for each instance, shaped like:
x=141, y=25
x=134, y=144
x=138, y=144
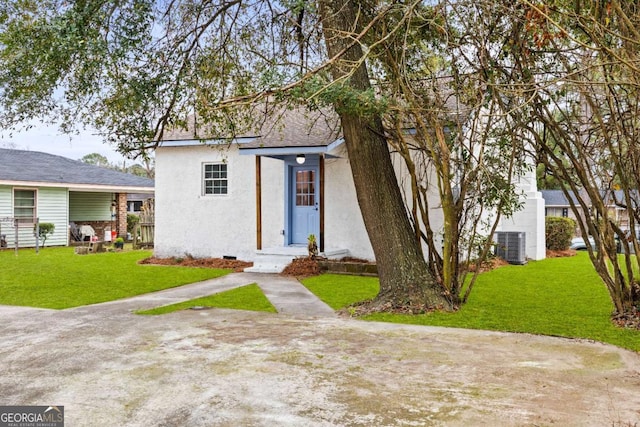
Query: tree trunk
x=404, y=275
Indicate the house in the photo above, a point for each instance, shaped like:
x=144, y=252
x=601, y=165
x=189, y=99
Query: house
x=259, y=197
x=557, y=204
x=54, y=189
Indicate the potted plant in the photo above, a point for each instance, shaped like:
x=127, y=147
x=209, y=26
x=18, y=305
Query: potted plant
x=118, y=243
x=312, y=246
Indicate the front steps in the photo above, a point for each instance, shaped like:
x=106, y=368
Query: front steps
x=274, y=260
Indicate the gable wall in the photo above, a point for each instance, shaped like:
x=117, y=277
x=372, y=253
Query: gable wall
x=190, y=223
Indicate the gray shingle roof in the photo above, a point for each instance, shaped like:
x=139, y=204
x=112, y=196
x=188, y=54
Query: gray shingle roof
x=281, y=128
x=554, y=198
x=296, y=128
x=557, y=197
x=34, y=166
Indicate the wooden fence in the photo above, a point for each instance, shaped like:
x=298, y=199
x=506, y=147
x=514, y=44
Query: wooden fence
x=144, y=230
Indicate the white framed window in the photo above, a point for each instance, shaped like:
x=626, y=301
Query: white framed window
x=24, y=205
x=215, y=179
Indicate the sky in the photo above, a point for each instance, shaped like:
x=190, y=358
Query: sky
x=49, y=139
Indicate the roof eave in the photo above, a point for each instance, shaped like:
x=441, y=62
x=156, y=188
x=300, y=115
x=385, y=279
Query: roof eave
x=81, y=187
x=205, y=142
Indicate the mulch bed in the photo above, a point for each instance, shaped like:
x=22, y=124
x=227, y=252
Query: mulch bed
x=488, y=265
x=302, y=267
x=628, y=320
x=235, y=265
x=561, y=254
x=306, y=266
x=371, y=307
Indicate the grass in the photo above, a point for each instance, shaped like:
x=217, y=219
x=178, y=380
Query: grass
x=248, y=297
x=339, y=291
x=559, y=297
x=58, y=278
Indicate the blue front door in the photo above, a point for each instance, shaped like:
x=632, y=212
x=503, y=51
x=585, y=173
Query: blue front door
x=304, y=202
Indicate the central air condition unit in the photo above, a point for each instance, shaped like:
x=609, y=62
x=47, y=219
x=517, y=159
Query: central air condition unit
x=511, y=246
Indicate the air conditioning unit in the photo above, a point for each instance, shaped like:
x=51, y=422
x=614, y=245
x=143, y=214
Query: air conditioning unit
x=511, y=246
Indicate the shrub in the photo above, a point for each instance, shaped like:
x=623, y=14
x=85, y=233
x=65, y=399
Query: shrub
x=45, y=229
x=132, y=221
x=558, y=232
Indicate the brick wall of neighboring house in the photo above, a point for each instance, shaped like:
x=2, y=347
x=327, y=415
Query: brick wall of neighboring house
x=99, y=227
x=121, y=215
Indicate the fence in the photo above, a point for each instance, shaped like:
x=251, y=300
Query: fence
x=13, y=224
x=143, y=234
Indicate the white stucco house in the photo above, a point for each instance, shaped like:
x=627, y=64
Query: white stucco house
x=258, y=197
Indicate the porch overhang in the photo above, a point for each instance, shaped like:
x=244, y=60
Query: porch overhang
x=292, y=150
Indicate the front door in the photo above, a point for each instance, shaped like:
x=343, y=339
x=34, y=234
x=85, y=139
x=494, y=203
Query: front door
x=305, y=217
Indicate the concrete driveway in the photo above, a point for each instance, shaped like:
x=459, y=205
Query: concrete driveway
x=109, y=367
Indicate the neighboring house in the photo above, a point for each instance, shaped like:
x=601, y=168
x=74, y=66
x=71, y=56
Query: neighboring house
x=54, y=189
x=255, y=197
x=557, y=204
x=135, y=201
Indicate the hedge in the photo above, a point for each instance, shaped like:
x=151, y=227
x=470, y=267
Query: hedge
x=558, y=232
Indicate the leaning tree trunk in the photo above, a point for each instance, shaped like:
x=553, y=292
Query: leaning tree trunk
x=404, y=275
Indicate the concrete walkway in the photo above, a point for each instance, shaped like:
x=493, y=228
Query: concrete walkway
x=286, y=294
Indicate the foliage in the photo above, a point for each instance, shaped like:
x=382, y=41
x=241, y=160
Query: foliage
x=568, y=73
x=135, y=68
x=147, y=171
x=486, y=85
x=132, y=221
x=460, y=148
x=558, y=232
x=96, y=159
x=312, y=246
x=248, y=297
x=45, y=229
x=557, y=297
x=57, y=278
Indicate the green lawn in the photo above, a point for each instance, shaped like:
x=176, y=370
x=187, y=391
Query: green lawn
x=58, y=278
x=559, y=296
x=248, y=297
x=339, y=291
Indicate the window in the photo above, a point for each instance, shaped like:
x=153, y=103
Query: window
x=215, y=178
x=134, y=205
x=305, y=188
x=24, y=206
